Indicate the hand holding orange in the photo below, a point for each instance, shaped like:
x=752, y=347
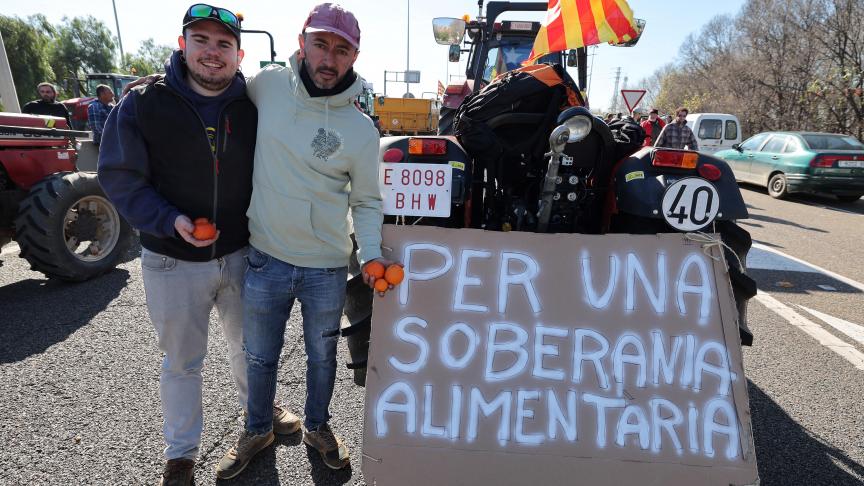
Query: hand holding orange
x=204, y=229
x=375, y=269
x=394, y=274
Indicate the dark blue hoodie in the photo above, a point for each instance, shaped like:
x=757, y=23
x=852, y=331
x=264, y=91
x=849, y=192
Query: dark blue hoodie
x=125, y=163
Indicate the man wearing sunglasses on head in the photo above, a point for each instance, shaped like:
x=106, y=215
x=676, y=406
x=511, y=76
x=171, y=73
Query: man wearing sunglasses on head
x=316, y=158
x=174, y=151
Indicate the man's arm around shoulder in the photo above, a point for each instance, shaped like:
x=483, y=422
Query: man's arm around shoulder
x=124, y=173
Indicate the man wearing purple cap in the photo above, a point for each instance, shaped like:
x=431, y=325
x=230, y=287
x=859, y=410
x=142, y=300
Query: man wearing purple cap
x=316, y=157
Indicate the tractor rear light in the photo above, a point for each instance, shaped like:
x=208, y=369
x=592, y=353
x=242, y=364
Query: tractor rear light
x=393, y=155
x=427, y=146
x=497, y=27
x=676, y=159
x=710, y=172
x=826, y=161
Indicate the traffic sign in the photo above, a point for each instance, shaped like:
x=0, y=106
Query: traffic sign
x=632, y=97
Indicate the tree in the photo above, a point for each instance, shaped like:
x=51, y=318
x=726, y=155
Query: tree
x=149, y=59
x=777, y=65
x=29, y=43
x=81, y=46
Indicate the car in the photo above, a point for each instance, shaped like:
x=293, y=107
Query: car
x=809, y=162
x=714, y=131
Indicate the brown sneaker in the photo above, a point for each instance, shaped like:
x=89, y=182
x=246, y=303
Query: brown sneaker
x=237, y=458
x=178, y=472
x=284, y=422
x=333, y=452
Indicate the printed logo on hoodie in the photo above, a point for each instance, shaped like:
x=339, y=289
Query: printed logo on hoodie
x=326, y=144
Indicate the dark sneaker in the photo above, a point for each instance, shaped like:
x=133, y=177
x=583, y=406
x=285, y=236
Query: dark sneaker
x=178, y=472
x=284, y=422
x=333, y=452
x=238, y=456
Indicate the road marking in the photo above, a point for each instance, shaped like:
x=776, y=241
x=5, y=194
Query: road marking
x=854, y=331
x=801, y=263
x=10, y=249
x=825, y=338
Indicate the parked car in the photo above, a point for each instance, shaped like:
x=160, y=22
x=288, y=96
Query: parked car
x=787, y=162
x=714, y=131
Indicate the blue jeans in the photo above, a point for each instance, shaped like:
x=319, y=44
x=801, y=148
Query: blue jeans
x=269, y=291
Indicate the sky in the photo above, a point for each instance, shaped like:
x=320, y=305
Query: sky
x=385, y=26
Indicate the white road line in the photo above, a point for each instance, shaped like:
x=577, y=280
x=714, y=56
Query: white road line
x=10, y=249
x=854, y=331
x=848, y=281
x=825, y=338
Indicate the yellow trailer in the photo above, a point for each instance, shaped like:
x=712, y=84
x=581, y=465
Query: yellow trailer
x=408, y=116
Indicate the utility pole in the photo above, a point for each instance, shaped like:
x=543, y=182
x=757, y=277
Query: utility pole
x=7, y=86
x=591, y=72
x=119, y=39
x=408, y=49
x=613, y=106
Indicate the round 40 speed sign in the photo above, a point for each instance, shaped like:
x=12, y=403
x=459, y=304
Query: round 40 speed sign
x=690, y=204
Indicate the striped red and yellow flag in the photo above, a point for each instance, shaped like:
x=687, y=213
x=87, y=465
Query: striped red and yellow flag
x=571, y=24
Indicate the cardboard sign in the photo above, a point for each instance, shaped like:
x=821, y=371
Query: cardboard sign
x=519, y=358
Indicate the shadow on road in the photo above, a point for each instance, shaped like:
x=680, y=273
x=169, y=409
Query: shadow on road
x=823, y=200
x=792, y=282
x=789, y=454
x=771, y=219
x=40, y=313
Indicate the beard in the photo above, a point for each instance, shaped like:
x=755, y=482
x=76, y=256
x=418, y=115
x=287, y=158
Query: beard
x=210, y=82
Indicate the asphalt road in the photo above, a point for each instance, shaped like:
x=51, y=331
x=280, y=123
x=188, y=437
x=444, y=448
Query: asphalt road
x=79, y=369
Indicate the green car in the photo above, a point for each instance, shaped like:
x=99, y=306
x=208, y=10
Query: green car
x=787, y=162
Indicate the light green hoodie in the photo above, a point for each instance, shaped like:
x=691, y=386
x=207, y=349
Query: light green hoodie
x=314, y=158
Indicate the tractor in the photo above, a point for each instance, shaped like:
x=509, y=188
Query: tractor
x=87, y=94
x=64, y=225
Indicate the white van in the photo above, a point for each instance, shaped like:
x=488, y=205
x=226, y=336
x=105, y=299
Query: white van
x=715, y=131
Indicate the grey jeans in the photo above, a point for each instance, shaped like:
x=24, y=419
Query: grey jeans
x=180, y=295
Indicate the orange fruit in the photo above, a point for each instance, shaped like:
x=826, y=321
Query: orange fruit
x=204, y=230
x=375, y=269
x=394, y=274
x=381, y=285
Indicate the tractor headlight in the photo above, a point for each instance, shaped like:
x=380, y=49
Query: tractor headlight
x=579, y=126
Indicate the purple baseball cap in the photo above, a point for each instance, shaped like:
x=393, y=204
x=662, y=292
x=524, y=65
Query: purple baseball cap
x=332, y=17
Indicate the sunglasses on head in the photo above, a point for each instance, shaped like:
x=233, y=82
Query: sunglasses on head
x=204, y=11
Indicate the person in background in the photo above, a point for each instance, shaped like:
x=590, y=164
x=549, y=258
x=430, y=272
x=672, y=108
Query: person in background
x=678, y=135
x=180, y=149
x=47, y=103
x=97, y=112
x=652, y=126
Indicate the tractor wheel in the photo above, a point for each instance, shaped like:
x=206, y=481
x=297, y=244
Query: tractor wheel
x=446, y=117
x=743, y=287
x=68, y=230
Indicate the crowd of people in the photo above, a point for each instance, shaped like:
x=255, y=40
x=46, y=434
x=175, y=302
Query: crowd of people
x=671, y=132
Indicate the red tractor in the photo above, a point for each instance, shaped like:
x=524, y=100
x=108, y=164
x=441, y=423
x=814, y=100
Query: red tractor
x=87, y=94
x=60, y=218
